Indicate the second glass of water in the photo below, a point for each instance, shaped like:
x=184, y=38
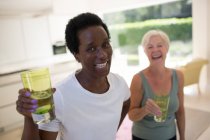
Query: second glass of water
x=162, y=102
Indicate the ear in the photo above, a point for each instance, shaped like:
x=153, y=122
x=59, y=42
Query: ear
x=76, y=56
x=144, y=50
x=167, y=48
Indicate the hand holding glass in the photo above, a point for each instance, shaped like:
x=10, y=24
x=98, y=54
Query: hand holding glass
x=39, y=83
x=162, y=102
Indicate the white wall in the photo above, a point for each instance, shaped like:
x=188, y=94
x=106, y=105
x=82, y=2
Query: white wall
x=200, y=25
x=201, y=35
x=208, y=45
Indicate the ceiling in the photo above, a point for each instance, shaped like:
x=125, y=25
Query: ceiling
x=39, y=7
x=20, y=7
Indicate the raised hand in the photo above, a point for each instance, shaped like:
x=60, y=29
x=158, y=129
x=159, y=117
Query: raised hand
x=25, y=105
x=152, y=108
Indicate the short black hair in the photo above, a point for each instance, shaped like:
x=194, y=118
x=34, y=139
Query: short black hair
x=79, y=23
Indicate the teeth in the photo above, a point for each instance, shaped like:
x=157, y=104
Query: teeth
x=101, y=65
x=156, y=55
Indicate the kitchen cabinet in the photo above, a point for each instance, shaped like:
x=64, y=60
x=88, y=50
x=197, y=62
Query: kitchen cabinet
x=9, y=93
x=11, y=42
x=9, y=118
x=36, y=37
x=11, y=83
x=24, y=39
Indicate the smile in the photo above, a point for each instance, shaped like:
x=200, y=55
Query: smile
x=156, y=55
x=100, y=66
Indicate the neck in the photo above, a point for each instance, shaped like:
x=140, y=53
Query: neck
x=157, y=71
x=95, y=85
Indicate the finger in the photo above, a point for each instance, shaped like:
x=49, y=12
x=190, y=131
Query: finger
x=23, y=111
x=23, y=91
x=26, y=98
x=150, y=109
x=153, y=104
x=30, y=105
x=53, y=90
x=153, y=107
x=25, y=104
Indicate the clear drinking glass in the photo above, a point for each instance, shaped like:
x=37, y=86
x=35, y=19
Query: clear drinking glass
x=39, y=83
x=162, y=102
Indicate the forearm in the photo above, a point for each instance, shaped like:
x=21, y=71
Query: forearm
x=181, y=125
x=137, y=114
x=125, y=109
x=30, y=130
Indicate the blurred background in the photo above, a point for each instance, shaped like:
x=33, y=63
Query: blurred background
x=32, y=36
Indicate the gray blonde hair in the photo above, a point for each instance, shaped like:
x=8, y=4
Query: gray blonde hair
x=149, y=34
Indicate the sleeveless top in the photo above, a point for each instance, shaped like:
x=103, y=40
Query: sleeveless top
x=147, y=128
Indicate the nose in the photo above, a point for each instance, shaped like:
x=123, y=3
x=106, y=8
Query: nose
x=155, y=48
x=101, y=53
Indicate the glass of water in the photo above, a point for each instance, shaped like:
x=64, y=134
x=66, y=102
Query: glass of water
x=162, y=102
x=39, y=83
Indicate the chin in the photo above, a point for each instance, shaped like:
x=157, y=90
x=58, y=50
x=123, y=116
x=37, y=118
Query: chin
x=103, y=72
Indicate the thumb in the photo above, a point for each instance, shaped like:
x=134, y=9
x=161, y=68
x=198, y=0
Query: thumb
x=53, y=90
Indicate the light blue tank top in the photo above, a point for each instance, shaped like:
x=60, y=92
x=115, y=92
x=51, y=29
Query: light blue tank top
x=147, y=128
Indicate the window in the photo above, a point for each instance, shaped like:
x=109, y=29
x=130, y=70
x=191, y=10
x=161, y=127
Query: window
x=127, y=28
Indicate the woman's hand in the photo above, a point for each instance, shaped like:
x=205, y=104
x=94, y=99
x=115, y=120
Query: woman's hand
x=152, y=108
x=25, y=105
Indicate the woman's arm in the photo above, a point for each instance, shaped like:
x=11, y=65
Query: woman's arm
x=25, y=106
x=30, y=130
x=125, y=109
x=180, y=114
x=136, y=112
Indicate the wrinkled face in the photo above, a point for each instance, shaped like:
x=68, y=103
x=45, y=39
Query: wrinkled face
x=95, y=51
x=156, y=50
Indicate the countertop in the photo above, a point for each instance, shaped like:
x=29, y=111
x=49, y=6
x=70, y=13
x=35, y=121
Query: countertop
x=10, y=73
x=10, y=68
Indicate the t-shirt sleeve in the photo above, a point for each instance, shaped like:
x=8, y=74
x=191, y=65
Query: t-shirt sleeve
x=127, y=92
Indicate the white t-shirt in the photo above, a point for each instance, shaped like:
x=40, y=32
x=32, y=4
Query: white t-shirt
x=82, y=115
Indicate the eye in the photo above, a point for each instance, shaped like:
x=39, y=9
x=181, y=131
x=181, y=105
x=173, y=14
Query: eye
x=106, y=44
x=91, y=49
x=160, y=45
x=149, y=47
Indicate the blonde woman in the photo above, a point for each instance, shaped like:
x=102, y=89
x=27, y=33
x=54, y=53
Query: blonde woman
x=156, y=80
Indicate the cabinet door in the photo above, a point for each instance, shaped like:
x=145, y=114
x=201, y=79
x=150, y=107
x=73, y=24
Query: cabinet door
x=37, y=37
x=9, y=117
x=9, y=93
x=11, y=42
